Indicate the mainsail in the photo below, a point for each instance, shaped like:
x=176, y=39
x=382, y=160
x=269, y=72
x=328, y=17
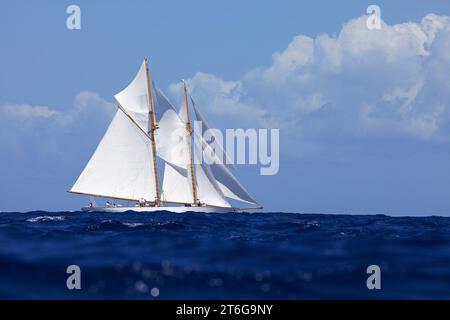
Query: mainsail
x=227, y=182
x=208, y=190
x=220, y=154
x=220, y=167
x=176, y=184
x=214, y=180
x=121, y=166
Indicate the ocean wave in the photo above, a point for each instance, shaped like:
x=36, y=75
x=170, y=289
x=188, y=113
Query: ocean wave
x=133, y=224
x=117, y=225
x=46, y=218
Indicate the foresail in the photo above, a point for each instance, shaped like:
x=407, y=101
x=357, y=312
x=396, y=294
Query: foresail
x=227, y=182
x=230, y=185
x=218, y=149
x=121, y=166
x=134, y=99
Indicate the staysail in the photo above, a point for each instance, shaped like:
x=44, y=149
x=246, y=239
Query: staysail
x=121, y=166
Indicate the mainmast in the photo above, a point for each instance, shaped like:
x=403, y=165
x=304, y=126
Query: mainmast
x=189, y=134
x=151, y=116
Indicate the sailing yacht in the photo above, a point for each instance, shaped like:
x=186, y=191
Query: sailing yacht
x=145, y=127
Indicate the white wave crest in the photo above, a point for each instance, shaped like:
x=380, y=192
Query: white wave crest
x=132, y=224
x=46, y=218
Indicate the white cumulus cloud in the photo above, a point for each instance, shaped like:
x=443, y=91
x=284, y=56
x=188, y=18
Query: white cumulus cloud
x=28, y=111
x=86, y=104
x=355, y=86
x=43, y=130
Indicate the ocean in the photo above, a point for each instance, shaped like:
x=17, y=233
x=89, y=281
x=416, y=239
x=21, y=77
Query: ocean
x=222, y=256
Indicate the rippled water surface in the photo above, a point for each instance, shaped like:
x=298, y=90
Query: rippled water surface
x=222, y=256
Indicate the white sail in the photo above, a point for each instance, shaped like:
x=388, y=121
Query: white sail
x=208, y=191
x=227, y=182
x=218, y=149
x=134, y=99
x=173, y=148
x=122, y=165
x=171, y=135
x=176, y=186
x=230, y=185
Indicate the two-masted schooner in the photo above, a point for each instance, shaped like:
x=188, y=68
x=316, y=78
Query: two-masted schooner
x=145, y=127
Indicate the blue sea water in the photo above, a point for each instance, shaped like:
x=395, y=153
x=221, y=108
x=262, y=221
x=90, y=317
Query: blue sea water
x=222, y=256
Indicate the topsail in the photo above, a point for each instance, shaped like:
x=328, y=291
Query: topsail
x=134, y=99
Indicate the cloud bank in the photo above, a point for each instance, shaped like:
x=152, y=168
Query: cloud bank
x=86, y=104
x=344, y=90
x=42, y=131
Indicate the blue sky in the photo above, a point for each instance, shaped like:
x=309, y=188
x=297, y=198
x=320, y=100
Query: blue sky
x=363, y=117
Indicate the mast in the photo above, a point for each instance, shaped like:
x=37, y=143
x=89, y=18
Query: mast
x=151, y=116
x=189, y=134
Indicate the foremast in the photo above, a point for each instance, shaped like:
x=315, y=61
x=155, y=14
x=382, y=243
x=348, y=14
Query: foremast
x=151, y=132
